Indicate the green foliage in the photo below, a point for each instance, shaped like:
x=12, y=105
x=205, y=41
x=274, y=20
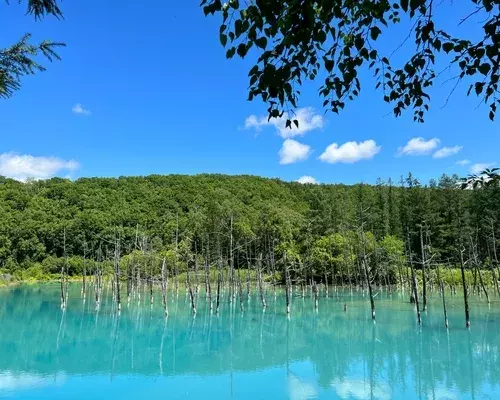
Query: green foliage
x=296, y=41
x=20, y=59
x=180, y=217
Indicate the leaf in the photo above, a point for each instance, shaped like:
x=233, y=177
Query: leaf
x=375, y=32
x=261, y=42
x=359, y=42
x=448, y=46
x=230, y=53
x=404, y=5
x=484, y=68
x=478, y=87
x=223, y=39
x=321, y=36
x=328, y=65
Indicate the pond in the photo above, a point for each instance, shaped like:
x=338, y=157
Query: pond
x=331, y=353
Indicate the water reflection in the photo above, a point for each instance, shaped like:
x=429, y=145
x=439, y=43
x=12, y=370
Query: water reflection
x=255, y=354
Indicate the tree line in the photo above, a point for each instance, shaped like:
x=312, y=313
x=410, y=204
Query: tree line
x=323, y=229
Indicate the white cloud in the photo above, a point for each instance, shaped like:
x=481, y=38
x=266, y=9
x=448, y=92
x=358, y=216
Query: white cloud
x=308, y=120
x=24, y=166
x=350, y=152
x=476, y=169
x=301, y=390
x=307, y=179
x=79, y=109
x=293, y=151
x=12, y=382
x=418, y=146
x=360, y=389
x=447, y=152
x=463, y=162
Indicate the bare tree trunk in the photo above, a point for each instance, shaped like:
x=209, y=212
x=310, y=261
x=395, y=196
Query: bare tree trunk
x=444, y=297
x=315, y=290
x=414, y=281
x=240, y=290
x=84, y=291
x=424, y=262
x=191, y=295
x=151, y=272
x=63, y=296
x=207, y=274
x=117, y=274
x=464, y=286
x=218, y=284
x=248, y=275
x=259, y=275
x=476, y=266
x=164, y=285
x=287, y=290
x=367, y=273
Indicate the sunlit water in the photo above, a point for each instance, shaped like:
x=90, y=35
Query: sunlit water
x=46, y=353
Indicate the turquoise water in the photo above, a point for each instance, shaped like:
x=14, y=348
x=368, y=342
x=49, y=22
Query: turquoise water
x=46, y=353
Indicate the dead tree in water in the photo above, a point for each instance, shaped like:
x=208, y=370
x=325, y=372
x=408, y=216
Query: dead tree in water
x=207, y=276
x=151, y=275
x=84, y=270
x=414, y=280
x=248, y=275
x=287, y=283
x=493, y=273
x=164, y=286
x=464, y=286
x=364, y=262
x=117, y=273
x=315, y=290
x=424, y=278
x=475, y=262
x=190, y=289
x=64, y=270
x=441, y=287
x=260, y=282
x=240, y=289
x=495, y=258
x=98, y=277
x=219, y=279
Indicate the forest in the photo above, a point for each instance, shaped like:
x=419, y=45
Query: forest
x=322, y=229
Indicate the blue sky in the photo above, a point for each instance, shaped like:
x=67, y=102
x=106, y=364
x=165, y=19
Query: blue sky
x=147, y=90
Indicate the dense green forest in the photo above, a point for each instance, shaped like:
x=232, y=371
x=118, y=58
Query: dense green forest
x=322, y=229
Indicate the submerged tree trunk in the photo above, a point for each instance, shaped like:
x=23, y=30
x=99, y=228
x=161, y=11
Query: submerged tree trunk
x=443, y=294
x=464, y=286
x=424, y=279
x=260, y=282
x=367, y=274
x=164, y=286
x=191, y=295
x=84, y=292
x=414, y=282
x=287, y=290
x=219, y=277
x=117, y=274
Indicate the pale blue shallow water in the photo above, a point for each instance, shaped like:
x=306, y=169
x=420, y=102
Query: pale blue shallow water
x=83, y=354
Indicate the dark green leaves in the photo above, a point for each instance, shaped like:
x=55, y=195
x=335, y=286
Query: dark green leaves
x=223, y=39
x=447, y=47
x=230, y=53
x=261, y=42
x=375, y=32
x=484, y=68
x=328, y=65
x=297, y=41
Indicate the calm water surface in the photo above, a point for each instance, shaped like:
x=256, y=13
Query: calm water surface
x=46, y=353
